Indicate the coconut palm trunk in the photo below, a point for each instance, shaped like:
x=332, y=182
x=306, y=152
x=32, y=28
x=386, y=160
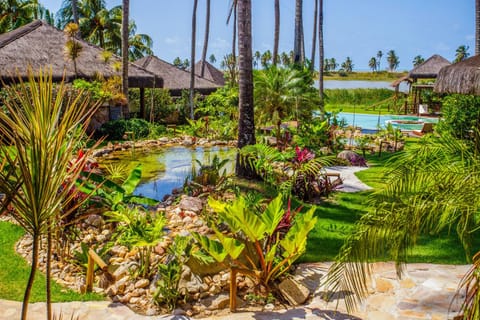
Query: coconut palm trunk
x=75, y=11
x=477, y=27
x=125, y=17
x=276, y=35
x=192, y=59
x=314, y=37
x=297, y=42
x=246, y=122
x=321, y=57
x=205, y=40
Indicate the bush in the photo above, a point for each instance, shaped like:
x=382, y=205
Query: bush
x=461, y=114
x=115, y=130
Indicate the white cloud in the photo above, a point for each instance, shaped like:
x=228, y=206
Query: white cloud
x=221, y=44
x=172, y=40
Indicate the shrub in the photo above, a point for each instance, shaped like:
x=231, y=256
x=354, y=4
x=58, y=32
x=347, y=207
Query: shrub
x=115, y=130
x=461, y=114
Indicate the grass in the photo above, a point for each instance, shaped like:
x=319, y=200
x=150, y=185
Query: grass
x=14, y=272
x=368, y=76
x=338, y=214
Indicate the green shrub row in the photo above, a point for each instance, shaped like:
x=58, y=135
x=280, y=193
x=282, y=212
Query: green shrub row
x=357, y=96
x=130, y=129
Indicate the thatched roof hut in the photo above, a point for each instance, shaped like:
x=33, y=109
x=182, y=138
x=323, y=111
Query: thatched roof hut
x=174, y=78
x=461, y=77
x=40, y=45
x=429, y=68
x=211, y=73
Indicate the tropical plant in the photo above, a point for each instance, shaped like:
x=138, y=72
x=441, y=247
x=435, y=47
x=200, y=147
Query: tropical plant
x=246, y=122
x=379, y=58
x=73, y=48
x=347, y=65
x=140, y=229
x=418, y=60
x=461, y=53
x=431, y=187
x=392, y=60
x=372, y=64
x=461, y=115
x=42, y=128
x=262, y=245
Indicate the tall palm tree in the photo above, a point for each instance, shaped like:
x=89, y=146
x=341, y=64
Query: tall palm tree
x=477, y=27
x=276, y=34
x=461, y=53
x=233, y=12
x=14, y=14
x=372, y=64
x=139, y=44
x=299, y=58
x=75, y=11
x=347, y=65
x=37, y=174
x=246, y=121
x=321, y=58
x=417, y=60
x=392, y=60
x=205, y=40
x=192, y=58
x=314, y=37
x=125, y=24
x=379, y=58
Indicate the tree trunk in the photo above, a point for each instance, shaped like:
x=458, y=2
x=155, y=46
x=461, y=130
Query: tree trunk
x=246, y=122
x=48, y=272
x=192, y=58
x=477, y=27
x=297, y=43
x=322, y=60
x=31, y=278
x=276, y=35
x=314, y=37
x=75, y=11
x=125, y=17
x=205, y=40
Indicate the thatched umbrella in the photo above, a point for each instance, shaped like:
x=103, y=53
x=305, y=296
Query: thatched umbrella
x=174, y=78
x=462, y=77
x=40, y=45
x=429, y=68
x=211, y=73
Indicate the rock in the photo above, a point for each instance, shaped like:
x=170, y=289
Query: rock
x=142, y=283
x=352, y=157
x=293, y=291
x=163, y=140
x=269, y=307
x=95, y=220
x=222, y=301
x=191, y=204
x=178, y=312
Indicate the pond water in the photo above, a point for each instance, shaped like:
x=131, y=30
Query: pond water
x=164, y=169
x=371, y=123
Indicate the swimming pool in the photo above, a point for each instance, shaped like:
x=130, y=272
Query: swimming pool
x=370, y=122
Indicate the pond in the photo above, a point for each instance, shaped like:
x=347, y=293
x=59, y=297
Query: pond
x=164, y=169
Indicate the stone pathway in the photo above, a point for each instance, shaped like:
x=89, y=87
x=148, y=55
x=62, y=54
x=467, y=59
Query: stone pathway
x=350, y=181
x=425, y=292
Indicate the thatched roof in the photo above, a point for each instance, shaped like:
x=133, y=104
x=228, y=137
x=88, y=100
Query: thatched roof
x=211, y=73
x=429, y=68
x=40, y=45
x=174, y=78
x=462, y=77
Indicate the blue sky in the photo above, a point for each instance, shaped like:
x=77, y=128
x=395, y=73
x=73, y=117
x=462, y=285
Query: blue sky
x=354, y=28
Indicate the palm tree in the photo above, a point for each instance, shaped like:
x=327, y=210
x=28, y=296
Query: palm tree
x=379, y=58
x=233, y=12
x=314, y=39
x=321, y=58
x=139, y=44
x=246, y=121
x=432, y=187
x=205, y=39
x=192, y=58
x=333, y=64
x=257, y=58
x=212, y=59
x=14, y=14
x=75, y=11
x=299, y=58
x=347, y=65
x=461, y=53
x=39, y=153
x=125, y=16
x=392, y=60
x=266, y=58
x=276, y=34
x=274, y=95
x=372, y=63
x=418, y=60
x=477, y=27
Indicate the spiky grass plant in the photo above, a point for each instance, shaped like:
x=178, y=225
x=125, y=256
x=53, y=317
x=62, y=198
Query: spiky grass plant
x=41, y=127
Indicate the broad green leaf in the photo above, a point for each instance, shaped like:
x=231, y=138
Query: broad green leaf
x=270, y=256
x=133, y=180
x=295, y=241
x=141, y=200
x=239, y=217
x=233, y=247
x=212, y=247
x=273, y=214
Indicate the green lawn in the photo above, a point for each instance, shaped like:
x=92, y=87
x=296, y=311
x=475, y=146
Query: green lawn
x=14, y=272
x=338, y=214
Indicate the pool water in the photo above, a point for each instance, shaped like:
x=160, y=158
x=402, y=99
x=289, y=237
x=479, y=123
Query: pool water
x=370, y=123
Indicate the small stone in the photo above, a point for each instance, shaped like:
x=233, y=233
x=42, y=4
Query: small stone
x=142, y=283
x=268, y=307
x=383, y=285
x=293, y=291
x=178, y=312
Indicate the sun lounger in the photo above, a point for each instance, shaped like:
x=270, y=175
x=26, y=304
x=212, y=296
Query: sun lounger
x=426, y=128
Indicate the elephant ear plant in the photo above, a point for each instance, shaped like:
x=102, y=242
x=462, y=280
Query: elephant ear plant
x=261, y=245
x=40, y=127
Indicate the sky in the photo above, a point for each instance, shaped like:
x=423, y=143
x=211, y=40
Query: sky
x=352, y=28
